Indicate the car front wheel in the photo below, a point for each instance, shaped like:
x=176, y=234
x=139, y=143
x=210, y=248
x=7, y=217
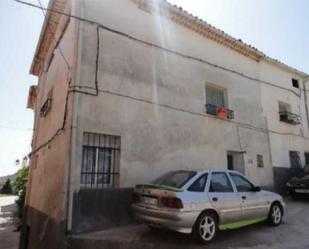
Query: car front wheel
x=205, y=229
x=275, y=215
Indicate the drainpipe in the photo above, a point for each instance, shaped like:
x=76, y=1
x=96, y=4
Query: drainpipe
x=306, y=80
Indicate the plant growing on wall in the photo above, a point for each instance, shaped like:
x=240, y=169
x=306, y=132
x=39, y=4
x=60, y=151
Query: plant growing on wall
x=19, y=186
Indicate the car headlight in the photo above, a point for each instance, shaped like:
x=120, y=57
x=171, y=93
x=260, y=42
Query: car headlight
x=288, y=184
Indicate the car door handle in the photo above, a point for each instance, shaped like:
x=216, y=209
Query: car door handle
x=244, y=197
x=215, y=199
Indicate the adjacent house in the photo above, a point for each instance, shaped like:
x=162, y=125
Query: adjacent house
x=130, y=89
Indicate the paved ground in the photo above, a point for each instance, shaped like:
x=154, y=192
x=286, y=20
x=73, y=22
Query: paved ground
x=292, y=234
x=8, y=238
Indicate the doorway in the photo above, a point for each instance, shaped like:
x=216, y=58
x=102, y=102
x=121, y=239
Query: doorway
x=236, y=161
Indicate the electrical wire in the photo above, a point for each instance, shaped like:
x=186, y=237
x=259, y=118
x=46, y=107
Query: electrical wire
x=58, y=47
x=158, y=46
x=76, y=88
x=15, y=128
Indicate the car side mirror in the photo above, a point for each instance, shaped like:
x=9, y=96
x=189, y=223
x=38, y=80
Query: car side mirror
x=256, y=189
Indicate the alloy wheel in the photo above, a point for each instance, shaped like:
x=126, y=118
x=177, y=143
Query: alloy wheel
x=276, y=214
x=207, y=228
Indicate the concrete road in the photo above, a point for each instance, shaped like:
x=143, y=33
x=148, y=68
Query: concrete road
x=293, y=233
x=8, y=238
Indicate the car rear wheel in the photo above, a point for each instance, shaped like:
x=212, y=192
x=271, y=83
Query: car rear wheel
x=205, y=229
x=275, y=215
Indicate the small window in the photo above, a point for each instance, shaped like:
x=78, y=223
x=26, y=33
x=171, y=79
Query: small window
x=47, y=104
x=259, y=161
x=220, y=183
x=199, y=184
x=215, y=96
x=242, y=184
x=100, y=160
x=284, y=107
x=295, y=83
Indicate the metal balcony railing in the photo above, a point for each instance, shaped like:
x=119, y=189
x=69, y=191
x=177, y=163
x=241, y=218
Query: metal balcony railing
x=290, y=118
x=213, y=110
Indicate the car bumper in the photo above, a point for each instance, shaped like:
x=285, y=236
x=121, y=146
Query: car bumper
x=181, y=221
x=295, y=190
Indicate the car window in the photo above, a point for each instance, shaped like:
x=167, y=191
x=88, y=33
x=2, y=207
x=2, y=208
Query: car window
x=175, y=179
x=199, y=184
x=242, y=184
x=220, y=183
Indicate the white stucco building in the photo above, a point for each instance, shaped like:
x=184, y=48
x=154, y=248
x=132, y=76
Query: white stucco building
x=129, y=89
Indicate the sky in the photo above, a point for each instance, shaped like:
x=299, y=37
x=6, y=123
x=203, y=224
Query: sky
x=279, y=28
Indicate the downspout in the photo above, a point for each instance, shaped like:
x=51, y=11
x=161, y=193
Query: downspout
x=306, y=80
x=74, y=124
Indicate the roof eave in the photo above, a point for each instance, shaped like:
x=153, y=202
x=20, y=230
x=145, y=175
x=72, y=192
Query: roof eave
x=36, y=59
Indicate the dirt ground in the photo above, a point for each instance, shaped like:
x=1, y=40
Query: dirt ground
x=8, y=238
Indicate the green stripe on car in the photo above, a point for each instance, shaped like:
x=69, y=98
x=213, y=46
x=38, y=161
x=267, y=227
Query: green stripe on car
x=173, y=189
x=241, y=223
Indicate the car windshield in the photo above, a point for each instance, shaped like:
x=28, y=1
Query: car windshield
x=175, y=179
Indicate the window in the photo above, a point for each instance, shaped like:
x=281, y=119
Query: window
x=259, y=161
x=295, y=159
x=47, y=104
x=216, y=100
x=175, y=179
x=220, y=183
x=199, y=184
x=215, y=96
x=100, y=160
x=295, y=83
x=286, y=115
x=242, y=184
x=284, y=107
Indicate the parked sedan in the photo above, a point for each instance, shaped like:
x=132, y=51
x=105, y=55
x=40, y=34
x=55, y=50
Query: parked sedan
x=203, y=202
x=298, y=185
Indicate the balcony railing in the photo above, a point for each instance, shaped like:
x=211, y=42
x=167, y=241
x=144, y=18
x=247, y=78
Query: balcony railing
x=290, y=118
x=213, y=110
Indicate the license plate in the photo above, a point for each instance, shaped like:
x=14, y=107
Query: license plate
x=304, y=191
x=150, y=200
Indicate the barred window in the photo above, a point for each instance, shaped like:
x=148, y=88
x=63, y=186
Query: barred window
x=259, y=161
x=100, y=160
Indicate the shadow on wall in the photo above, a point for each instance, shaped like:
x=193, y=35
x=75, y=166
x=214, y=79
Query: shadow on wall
x=41, y=231
x=98, y=209
x=281, y=176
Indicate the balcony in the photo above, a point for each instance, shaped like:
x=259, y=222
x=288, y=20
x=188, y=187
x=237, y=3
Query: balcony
x=289, y=118
x=213, y=110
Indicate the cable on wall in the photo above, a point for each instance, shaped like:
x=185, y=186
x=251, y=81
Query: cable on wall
x=77, y=88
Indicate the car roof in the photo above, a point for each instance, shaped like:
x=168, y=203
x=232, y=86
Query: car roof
x=216, y=170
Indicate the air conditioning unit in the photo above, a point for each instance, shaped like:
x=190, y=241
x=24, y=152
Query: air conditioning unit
x=290, y=118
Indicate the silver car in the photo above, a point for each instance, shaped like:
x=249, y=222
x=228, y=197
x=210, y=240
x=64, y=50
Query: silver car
x=204, y=201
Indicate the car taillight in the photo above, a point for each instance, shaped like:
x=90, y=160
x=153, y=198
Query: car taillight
x=171, y=202
x=136, y=197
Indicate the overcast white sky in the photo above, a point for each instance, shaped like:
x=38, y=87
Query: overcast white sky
x=279, y=28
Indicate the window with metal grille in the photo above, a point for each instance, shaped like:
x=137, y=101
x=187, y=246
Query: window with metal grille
x=100, y=161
